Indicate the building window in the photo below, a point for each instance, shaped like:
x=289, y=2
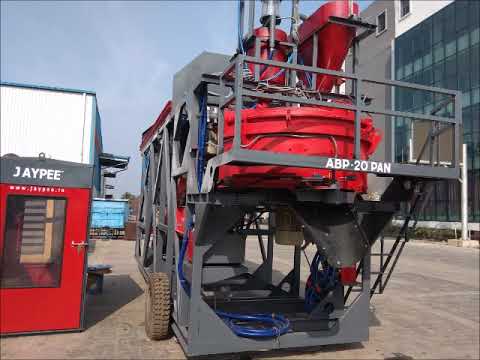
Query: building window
x=404, y=8
x=381, y=22
x=442, y=51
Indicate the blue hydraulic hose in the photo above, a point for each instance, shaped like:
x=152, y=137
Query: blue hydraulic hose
x=278, y=324
x=202, y=140
x=183, y=281
x=320, y=281
x=307, y=74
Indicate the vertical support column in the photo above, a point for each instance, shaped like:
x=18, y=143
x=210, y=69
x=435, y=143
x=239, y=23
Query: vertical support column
x=380, y=276
x=221, y=121
x=155, y=242
x=196, y=292
x=295, y=18
x=140, y=230
x=183, y=300
x=155, y=161
x=366, y=271
x=194, y=110
x=314, y=60
x=238, y=91
x=465, y=194
x=358, y=113
x=390, y=125
x=195, y=319
x=242, y=20
x=354, y=60
x=273, y=19
x=171, y=206
x=257, y=55
x=357, y=84
x=159, y=200
x=431, y=144
x=457, y=129
x=293, y=73
x=295, y=290
x=269, y=262
x=251, y=17
x=148, y=204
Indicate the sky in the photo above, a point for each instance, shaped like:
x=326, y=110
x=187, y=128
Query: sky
x=127, y=52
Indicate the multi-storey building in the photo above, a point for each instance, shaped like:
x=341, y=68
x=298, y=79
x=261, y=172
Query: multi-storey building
x=435, y=43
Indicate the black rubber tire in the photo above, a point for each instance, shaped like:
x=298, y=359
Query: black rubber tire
x=157, y=307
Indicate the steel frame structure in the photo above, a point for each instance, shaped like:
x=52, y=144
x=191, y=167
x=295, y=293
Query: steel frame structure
x=220, y=240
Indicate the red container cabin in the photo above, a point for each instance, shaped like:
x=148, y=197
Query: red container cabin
x=44, y=211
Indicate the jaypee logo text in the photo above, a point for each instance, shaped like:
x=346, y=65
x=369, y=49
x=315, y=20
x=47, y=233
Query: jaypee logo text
x=37, y=173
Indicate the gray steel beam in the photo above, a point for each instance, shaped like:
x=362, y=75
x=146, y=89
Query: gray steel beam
x=357, y=137
x=238, y=105
x=314, y=60
x=457, y=129
x=257, y=54
x=269, y=263
x=242, y=19
x=263, y=157
x=251, y=17
x=220, y=126
x=297, y=260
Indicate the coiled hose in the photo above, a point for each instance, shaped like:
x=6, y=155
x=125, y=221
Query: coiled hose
x=276, y=325
x=320, y=282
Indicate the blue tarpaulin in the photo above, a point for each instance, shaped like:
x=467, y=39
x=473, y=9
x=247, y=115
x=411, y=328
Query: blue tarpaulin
x=108, y=213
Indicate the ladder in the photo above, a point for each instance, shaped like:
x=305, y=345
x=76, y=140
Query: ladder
x=389, y=258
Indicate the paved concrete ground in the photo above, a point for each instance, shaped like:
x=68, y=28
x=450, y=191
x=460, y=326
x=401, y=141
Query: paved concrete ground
x=430, y=310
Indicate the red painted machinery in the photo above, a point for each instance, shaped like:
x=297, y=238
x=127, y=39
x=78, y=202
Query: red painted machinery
x=333, y=40
x=309, y=131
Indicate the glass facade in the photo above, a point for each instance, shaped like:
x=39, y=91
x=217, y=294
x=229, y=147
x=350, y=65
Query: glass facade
x=443, y=51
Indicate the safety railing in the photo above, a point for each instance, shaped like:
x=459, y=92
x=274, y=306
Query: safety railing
x=233, y=78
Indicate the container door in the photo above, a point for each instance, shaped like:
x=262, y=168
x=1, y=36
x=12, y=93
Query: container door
x=42, y=257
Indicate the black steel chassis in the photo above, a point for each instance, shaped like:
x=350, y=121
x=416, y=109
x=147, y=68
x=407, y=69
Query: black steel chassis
x=219, y=249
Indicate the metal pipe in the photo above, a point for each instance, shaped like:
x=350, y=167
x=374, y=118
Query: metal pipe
x=241, y=19
x=270, y=8
x=464, y=194
x=297, y=260
x=350, y=7
x=295, y=20
x=269, y=263
x=272, y=34
x=251, y=17
x=314, y=60
x=270, y=16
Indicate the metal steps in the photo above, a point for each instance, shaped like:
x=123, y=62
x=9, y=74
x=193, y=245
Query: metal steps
x=390, y=257
x=385, y=269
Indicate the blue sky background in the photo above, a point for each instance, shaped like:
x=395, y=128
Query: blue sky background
x=127, y=52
